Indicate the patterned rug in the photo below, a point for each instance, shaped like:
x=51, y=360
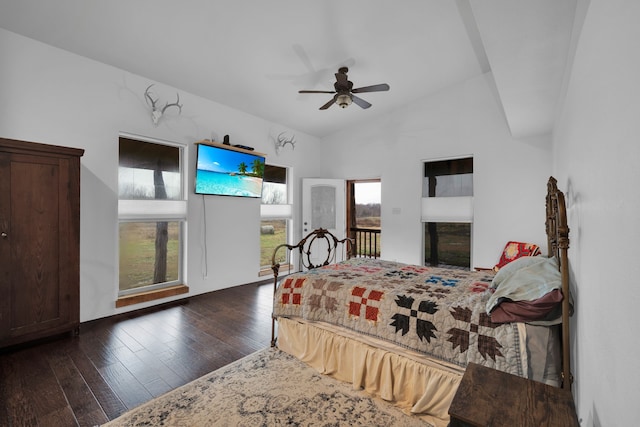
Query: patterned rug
x=267, y=388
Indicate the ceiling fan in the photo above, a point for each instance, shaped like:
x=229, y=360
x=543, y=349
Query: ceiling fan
x=344, y=92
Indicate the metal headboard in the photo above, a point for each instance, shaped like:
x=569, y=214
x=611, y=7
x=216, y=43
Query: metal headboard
x=304, y=250
x=558, y=245
x=314, y=239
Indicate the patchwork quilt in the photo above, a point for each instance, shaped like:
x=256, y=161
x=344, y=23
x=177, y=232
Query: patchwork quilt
x=438, y=312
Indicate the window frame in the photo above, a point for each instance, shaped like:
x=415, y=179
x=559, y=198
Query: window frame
x=286, y=213
x=463, y=205
x=168, y=283
x=153, y=211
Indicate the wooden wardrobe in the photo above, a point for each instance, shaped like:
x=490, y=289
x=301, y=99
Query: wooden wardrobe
x=39, y=240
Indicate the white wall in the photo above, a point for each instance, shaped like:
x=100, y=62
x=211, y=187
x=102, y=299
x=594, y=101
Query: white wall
x=597, y=150
x=54, y=97
x=509, y=174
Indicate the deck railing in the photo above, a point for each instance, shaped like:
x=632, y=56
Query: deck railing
x=367, y=242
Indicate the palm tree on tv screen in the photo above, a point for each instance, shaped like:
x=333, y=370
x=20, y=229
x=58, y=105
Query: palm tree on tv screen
x=258, y=167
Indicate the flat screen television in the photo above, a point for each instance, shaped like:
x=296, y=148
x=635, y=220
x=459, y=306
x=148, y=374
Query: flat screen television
x=226, y=171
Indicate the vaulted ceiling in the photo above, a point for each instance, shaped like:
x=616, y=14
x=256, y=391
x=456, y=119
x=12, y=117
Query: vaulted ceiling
x=254, y=55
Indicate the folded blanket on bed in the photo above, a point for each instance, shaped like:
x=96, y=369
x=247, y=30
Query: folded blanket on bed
x=543, y=311
x=525, y=279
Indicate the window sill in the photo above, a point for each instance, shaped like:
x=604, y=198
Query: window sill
x=151, y=295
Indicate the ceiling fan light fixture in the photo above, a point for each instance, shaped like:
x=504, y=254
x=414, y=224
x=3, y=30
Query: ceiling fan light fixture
x=344, y=100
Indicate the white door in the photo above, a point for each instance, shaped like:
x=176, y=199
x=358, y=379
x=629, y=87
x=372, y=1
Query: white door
x=323, y=206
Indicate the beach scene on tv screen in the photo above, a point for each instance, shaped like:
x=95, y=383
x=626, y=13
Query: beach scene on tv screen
x=228, y=173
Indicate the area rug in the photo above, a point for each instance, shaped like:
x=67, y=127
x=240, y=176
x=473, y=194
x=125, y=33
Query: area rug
x=267, y=388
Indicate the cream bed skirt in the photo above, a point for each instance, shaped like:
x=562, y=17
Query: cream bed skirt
x=417, y=384
x=423, y=388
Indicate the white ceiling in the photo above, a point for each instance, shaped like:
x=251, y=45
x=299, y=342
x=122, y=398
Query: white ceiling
x=254, y=55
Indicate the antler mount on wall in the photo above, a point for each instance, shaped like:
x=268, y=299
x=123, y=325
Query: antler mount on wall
x=283, y=139
x=157, y=113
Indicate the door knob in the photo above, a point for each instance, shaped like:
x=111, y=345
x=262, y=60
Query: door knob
x=3, y=235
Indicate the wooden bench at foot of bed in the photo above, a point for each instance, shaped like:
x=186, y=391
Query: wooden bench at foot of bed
x=487, y=397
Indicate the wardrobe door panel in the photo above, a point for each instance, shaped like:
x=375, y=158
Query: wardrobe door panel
x=35, y=256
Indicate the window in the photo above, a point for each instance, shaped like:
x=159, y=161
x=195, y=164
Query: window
x=447, y=211
x=151, y=214
x=275, y=215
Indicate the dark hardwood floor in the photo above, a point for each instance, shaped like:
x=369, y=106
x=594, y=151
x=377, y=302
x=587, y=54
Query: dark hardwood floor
x=120, y=362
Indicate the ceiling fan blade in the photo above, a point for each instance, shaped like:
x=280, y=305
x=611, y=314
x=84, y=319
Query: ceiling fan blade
x=375, y=88
x=329, y=104
x=316, y=91
x=299, y=50
x=361, y=102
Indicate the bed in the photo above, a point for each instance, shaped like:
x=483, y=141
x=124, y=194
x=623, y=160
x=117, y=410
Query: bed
x=406, y=332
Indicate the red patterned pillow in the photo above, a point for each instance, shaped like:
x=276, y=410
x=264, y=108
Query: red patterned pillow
x=515, y=250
